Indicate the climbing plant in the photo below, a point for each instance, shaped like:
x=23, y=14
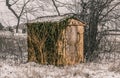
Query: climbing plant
x=43, y=38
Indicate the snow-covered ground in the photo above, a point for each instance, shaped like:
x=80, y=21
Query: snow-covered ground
x=11, y=69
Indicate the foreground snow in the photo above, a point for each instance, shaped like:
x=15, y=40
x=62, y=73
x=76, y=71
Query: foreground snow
x=10, y=69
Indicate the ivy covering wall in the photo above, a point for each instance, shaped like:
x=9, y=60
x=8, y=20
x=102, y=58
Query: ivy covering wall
x=43, y=38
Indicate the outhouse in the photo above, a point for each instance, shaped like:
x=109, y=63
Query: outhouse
x=56, y=40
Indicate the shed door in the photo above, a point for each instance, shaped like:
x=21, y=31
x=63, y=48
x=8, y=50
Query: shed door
x=74, y=44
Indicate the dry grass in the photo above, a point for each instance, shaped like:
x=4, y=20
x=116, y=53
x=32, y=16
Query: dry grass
x=13, y=47
x=115, y=68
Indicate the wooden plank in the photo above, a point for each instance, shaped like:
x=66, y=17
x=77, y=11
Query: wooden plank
x=81, y=43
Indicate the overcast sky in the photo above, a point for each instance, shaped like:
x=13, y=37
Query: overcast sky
x=8, y=19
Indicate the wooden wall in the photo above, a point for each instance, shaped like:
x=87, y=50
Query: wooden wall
x=74, y=45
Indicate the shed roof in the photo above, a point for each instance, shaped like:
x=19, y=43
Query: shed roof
x=57, y=18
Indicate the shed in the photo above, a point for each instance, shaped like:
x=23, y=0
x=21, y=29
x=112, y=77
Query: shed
x=56, y=40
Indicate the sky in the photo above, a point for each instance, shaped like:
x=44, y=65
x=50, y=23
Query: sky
x=8, y=19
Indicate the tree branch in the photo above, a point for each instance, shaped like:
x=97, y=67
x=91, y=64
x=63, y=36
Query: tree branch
x=15, y=2
x=110, y=10
x=56, y=7
x=9, y=7
x=24, y=7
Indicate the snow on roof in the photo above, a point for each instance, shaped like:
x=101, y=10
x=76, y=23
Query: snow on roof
x=51, y=18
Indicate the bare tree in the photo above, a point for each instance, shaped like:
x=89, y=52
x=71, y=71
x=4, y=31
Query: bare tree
x=10, y=3
x=95, y=13
x=56, y=7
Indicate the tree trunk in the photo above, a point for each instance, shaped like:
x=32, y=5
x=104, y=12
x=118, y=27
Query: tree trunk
x=18, y=23
x=92, y=34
